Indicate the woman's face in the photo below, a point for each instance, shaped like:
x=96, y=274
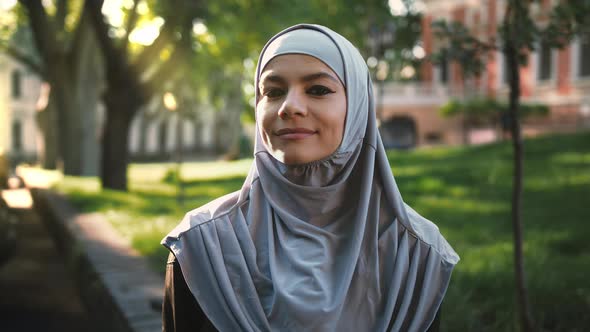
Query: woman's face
x=301, y=109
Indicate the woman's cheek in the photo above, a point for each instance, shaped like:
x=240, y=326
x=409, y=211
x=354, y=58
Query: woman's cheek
x=266, y=121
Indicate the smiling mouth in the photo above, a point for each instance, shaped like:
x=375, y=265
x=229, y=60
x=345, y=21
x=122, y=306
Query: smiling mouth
x=294, y=133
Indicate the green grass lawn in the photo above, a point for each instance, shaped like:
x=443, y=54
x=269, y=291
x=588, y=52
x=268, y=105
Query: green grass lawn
x=466, y=191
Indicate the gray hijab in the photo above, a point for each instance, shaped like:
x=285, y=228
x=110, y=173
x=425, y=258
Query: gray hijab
x=325, y=246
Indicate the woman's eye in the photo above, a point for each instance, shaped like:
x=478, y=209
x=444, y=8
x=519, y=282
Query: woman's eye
x=319, y=90
x=273, y=92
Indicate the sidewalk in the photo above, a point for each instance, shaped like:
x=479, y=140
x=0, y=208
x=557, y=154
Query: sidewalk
x=114, y=282
x=38, y=293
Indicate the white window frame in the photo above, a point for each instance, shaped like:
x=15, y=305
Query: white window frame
x=554, y=64
x=437, y=73
x=502, y=80
x=576, y=60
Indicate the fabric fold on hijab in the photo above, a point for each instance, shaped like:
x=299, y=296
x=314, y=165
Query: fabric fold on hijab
x=325, y=246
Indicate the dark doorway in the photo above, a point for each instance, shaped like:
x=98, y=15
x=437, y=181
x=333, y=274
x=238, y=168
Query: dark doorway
x=399, y=133
x=163, y=136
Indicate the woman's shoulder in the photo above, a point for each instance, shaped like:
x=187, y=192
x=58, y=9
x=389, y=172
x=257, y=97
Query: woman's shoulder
x=427, y=232
x=221, y=207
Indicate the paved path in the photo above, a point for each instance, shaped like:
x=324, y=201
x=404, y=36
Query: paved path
x=37, y=293
x=118, y=287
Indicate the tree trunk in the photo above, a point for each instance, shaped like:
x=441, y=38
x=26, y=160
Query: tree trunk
x=68, y=119
x=46, y=122
x=89, y=82
x=163, y=136
x=465, y=129
x=465, y=119
x=526, y=318
x=142, y=133
x=76, y=103
x=179, y=155
x=233, y=108
x=198, y=145
x=123, y=99
x=115, y=146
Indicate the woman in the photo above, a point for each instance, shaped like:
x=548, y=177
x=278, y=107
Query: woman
x=318, y=238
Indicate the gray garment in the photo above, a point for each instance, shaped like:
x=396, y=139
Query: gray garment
x=326, y=246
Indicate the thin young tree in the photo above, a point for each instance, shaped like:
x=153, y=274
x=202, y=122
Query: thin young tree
x=515, y=38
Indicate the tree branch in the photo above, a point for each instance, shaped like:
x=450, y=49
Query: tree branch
x=130, y=26
x=25, y=59
x=163, y=75
x=78, y=38
x=43, y=32
x=172, y=66
x=151, y=52
x=113, y=57
x=60, y=14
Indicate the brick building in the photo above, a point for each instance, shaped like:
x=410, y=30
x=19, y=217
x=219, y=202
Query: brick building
x=559, y=79
x=152, y=134
x=19, y=94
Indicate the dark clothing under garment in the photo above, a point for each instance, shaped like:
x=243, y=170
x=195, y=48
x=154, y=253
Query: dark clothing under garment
x=182, y=313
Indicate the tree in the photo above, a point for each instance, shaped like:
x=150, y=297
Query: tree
x=517, y=35
x=127, y=89
x=63, y=55
x=70, y=61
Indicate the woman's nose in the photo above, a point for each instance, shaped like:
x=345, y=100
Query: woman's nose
x=293, y=105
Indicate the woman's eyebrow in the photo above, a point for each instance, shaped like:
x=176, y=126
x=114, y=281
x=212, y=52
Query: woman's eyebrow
x=311, y=77
x=272, y=78
x=315, y=76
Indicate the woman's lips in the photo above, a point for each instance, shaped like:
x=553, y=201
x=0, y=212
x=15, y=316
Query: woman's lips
x=294, y=133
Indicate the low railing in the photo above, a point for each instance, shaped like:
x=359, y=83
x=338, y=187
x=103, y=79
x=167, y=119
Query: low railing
x=395, y=93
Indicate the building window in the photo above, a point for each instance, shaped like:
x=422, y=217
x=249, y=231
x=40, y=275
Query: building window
x=585, y=55
x=544, y=62
x=444, y=71
x=505, y=70
x=17, y=136
x=443, y=67
x=162, y=136
x=16, y=81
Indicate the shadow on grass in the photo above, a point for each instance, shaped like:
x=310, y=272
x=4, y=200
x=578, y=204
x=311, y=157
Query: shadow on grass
x=152, y=202
x=467, y=192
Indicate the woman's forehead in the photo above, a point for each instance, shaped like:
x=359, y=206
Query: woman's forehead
x=305, y=41
x=299, y=66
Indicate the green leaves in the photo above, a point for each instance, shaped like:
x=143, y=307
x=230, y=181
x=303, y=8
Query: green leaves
x=568, y=18
x=519, y=28
x=488, y=110
x=457, y=44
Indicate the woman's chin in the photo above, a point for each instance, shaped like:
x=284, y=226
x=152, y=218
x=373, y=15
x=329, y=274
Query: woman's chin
x=293, y=159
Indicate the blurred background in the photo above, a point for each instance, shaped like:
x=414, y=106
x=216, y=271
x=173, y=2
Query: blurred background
x=140, y=110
